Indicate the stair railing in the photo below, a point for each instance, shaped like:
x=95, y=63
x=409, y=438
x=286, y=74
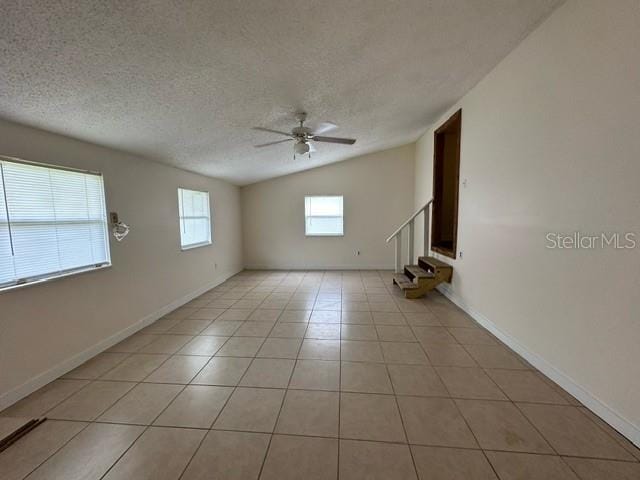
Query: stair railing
x=410, y=223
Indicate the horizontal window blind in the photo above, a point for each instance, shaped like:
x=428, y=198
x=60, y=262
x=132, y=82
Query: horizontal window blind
x=52, y=222
x=195, y=218
x=324, y=215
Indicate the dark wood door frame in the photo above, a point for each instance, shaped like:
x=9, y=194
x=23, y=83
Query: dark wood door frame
x=453, y=124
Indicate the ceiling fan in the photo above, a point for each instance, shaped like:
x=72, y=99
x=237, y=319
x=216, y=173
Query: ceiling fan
x=303, y=136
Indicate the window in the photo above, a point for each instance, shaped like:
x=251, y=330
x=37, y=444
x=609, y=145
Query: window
x=53, y=222
x=195, y=220
x=323, y=216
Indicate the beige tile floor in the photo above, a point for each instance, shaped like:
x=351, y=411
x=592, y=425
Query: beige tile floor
x=311, y=375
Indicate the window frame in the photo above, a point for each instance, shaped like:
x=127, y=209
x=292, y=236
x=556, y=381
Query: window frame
x=184, y=248
x=59, y=274
x=306, y=234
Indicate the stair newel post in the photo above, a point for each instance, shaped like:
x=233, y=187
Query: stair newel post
x=398, y=245
x=426, y=230
x=410, y=242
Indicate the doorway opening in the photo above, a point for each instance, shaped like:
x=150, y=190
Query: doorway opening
x=446, y=180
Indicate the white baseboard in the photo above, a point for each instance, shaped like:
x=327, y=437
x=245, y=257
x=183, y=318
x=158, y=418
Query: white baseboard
x=318, y=267
x=597, y=406
x=12, y=396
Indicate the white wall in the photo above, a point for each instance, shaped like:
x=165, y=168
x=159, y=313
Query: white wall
x=378, y=196
x=47, y=327
x=550, y=143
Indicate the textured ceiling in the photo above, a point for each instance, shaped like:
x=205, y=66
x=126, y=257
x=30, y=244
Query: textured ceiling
x=184, y=82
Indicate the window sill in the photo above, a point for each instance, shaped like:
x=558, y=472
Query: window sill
x=195, y=245
x=52, y=278
x=324, y=234
x=447, y=252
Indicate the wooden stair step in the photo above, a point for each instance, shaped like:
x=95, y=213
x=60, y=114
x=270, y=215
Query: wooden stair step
x=404, y=282
x=441, y=270
x=432, y=263
x=415, y=271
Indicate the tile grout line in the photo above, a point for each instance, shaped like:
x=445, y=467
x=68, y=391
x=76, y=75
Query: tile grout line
x=339, y=394
x=144, y=430
x=70, y=439
x=635, y=453
x=125, y=452
x=404, y=428
x=457, y=407
x=150, y=425
x=290, y=294
x=58, y=449
x=388, y=442
x=275, y=425
x=208, y=430
x=462, y=415
x=164, y=409
x=91, y=422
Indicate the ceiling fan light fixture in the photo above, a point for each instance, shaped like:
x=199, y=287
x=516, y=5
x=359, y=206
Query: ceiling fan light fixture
x=301, y=148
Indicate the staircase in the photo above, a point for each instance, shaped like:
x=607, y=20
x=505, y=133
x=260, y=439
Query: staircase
x=416, y=280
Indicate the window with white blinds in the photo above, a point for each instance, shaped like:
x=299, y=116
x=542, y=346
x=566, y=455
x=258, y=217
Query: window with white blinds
x=52, y=222
x=323, y=216
x=195, y=218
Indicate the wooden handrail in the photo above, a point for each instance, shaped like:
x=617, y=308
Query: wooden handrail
x=409, y=220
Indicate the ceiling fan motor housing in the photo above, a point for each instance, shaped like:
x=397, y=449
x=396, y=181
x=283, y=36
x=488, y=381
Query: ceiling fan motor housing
x=301, y=132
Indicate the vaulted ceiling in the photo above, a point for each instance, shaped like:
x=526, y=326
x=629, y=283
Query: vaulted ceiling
x=183, y=82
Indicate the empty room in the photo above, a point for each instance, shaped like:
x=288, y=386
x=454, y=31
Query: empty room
x=301, y=240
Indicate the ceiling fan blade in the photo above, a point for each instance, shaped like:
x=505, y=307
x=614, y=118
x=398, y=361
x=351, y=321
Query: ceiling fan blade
x=346, y=141
x=273, y=143
x=272, y=131
x=324, y=127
